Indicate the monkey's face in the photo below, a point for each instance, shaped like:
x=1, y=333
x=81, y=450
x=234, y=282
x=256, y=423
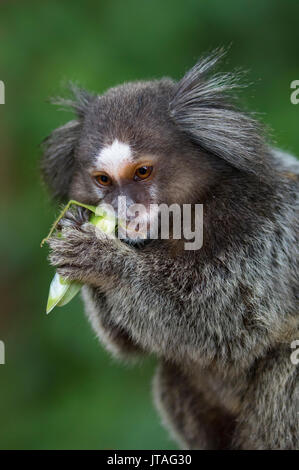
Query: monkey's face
x=133, y=158
x=135, y=183
x=125, y=147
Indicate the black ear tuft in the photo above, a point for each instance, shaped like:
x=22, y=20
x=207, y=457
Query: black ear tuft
x=203, y=108
x=58, y=159
x=79, y=101
x=57, y=163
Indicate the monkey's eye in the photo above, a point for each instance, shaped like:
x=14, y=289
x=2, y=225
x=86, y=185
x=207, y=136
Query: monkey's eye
x=143, y=172
x=102, y=179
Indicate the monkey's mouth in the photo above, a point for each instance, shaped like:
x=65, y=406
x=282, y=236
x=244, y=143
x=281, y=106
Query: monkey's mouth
x=139, y=243
x=135, y=233
x=132, y=238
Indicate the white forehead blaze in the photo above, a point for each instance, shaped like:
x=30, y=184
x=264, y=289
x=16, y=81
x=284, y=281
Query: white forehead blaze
x=114, y=157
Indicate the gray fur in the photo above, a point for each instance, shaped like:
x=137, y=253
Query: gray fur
x=219, y=319
x=201, y=107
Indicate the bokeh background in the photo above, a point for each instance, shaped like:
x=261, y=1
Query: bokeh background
x=59, y=389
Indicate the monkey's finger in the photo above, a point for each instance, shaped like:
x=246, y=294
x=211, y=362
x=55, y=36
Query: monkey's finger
x=74, y=218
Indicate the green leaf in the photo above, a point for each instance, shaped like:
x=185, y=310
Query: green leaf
x=61, y=290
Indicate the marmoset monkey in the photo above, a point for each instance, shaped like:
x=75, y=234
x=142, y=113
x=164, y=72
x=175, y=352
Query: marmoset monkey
x=220, y=318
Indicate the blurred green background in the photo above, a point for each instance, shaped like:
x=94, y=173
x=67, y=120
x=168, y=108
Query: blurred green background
x=59, y=389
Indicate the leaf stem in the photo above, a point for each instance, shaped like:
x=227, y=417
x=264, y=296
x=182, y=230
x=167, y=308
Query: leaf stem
x=62, y=214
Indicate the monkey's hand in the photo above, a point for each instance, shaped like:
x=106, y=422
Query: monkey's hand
x=77, y=256
x=74, y=218
x=138, y=286
x=81, y=252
